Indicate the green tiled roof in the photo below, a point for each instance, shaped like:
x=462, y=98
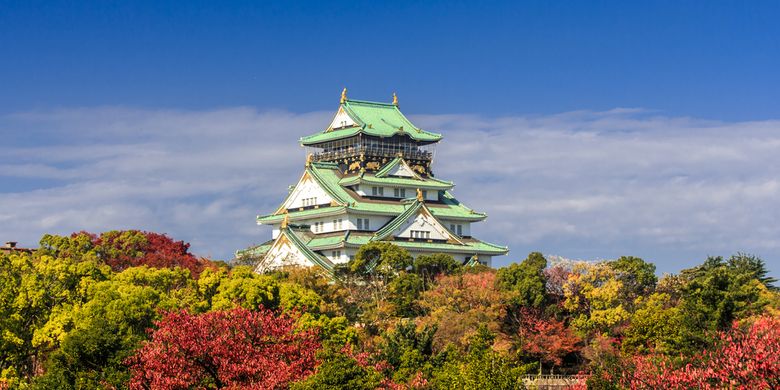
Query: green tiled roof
x=328, y=176
x=356, y=239
x=255, y=251
x=470, y=246
x=310, y=254
x=377, y=119
x=325, y=174
x=392, y=164
x=318, y=243
x=423, y=183
x=456, y=211
x=388, y=229
x=294, y=215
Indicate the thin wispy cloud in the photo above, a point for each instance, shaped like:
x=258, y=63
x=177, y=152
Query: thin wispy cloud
x=578, y=184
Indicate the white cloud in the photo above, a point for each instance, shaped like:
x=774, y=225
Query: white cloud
x=579, y=184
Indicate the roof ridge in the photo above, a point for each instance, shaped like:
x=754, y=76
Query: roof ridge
x=393, y=223
x=369, y=102
x=310, y=254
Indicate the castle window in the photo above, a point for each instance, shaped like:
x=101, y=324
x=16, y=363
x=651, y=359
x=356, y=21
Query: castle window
x=421, y=234
x=460, y=230
x=425, y=194
x=362, y=223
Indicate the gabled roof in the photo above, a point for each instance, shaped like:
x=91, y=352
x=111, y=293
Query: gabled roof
x=255, y=250
x=326, y=182
x=385, y=170
x=372, y=118
x=329, y=177
x=288, y=235
x=415, y=208
x=470, y=245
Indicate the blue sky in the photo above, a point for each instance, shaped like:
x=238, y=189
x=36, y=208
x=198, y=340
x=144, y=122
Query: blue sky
x=613, y=127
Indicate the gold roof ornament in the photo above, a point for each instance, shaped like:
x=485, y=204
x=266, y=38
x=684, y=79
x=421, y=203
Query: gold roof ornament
x=344, y=95
x=420, y=195
x=285, y=221
x=308, y=159
x=395, y=99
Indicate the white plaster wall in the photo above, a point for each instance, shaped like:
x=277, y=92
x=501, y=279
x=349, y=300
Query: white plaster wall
x=365, y=190
x=424, y=223
x=401, y=170
x=374, y=222
x=282, y=255
x=466, y=226
x=341, y=120
x=307, y=189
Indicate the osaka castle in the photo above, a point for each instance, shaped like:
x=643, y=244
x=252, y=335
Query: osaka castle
x=368, y=177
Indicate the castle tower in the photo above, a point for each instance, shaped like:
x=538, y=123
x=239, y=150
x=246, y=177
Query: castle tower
x=367, y=178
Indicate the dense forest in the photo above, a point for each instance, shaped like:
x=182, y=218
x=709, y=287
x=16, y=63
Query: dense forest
x=137, y=310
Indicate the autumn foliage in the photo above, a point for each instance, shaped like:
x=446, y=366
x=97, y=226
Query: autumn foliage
x=133, y=309
x=547, y=338
x=133, y=248
x=744, y=359
x=224, y=349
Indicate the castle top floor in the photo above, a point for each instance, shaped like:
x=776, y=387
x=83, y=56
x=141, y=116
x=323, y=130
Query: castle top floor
x=365, y=135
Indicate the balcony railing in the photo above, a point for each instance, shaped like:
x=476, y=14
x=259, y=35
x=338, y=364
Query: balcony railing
x=375, y=152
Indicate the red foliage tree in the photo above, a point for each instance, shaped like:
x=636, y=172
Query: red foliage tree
x=744, y=359
x=547, y=338
x=133, y=248
x=224, y=349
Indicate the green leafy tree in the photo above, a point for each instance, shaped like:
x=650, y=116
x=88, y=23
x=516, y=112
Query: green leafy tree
x=744, y=263
x=526, y=281
x=431, y=266
x=33, y=289
x=713, y=296
x=594, y=296
x=340, y=371
x=404, y=291
x=636, y=275
x=408, y=350
x=480, y=368
x=96, y=336
x=242, y=287
x=656, y=325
